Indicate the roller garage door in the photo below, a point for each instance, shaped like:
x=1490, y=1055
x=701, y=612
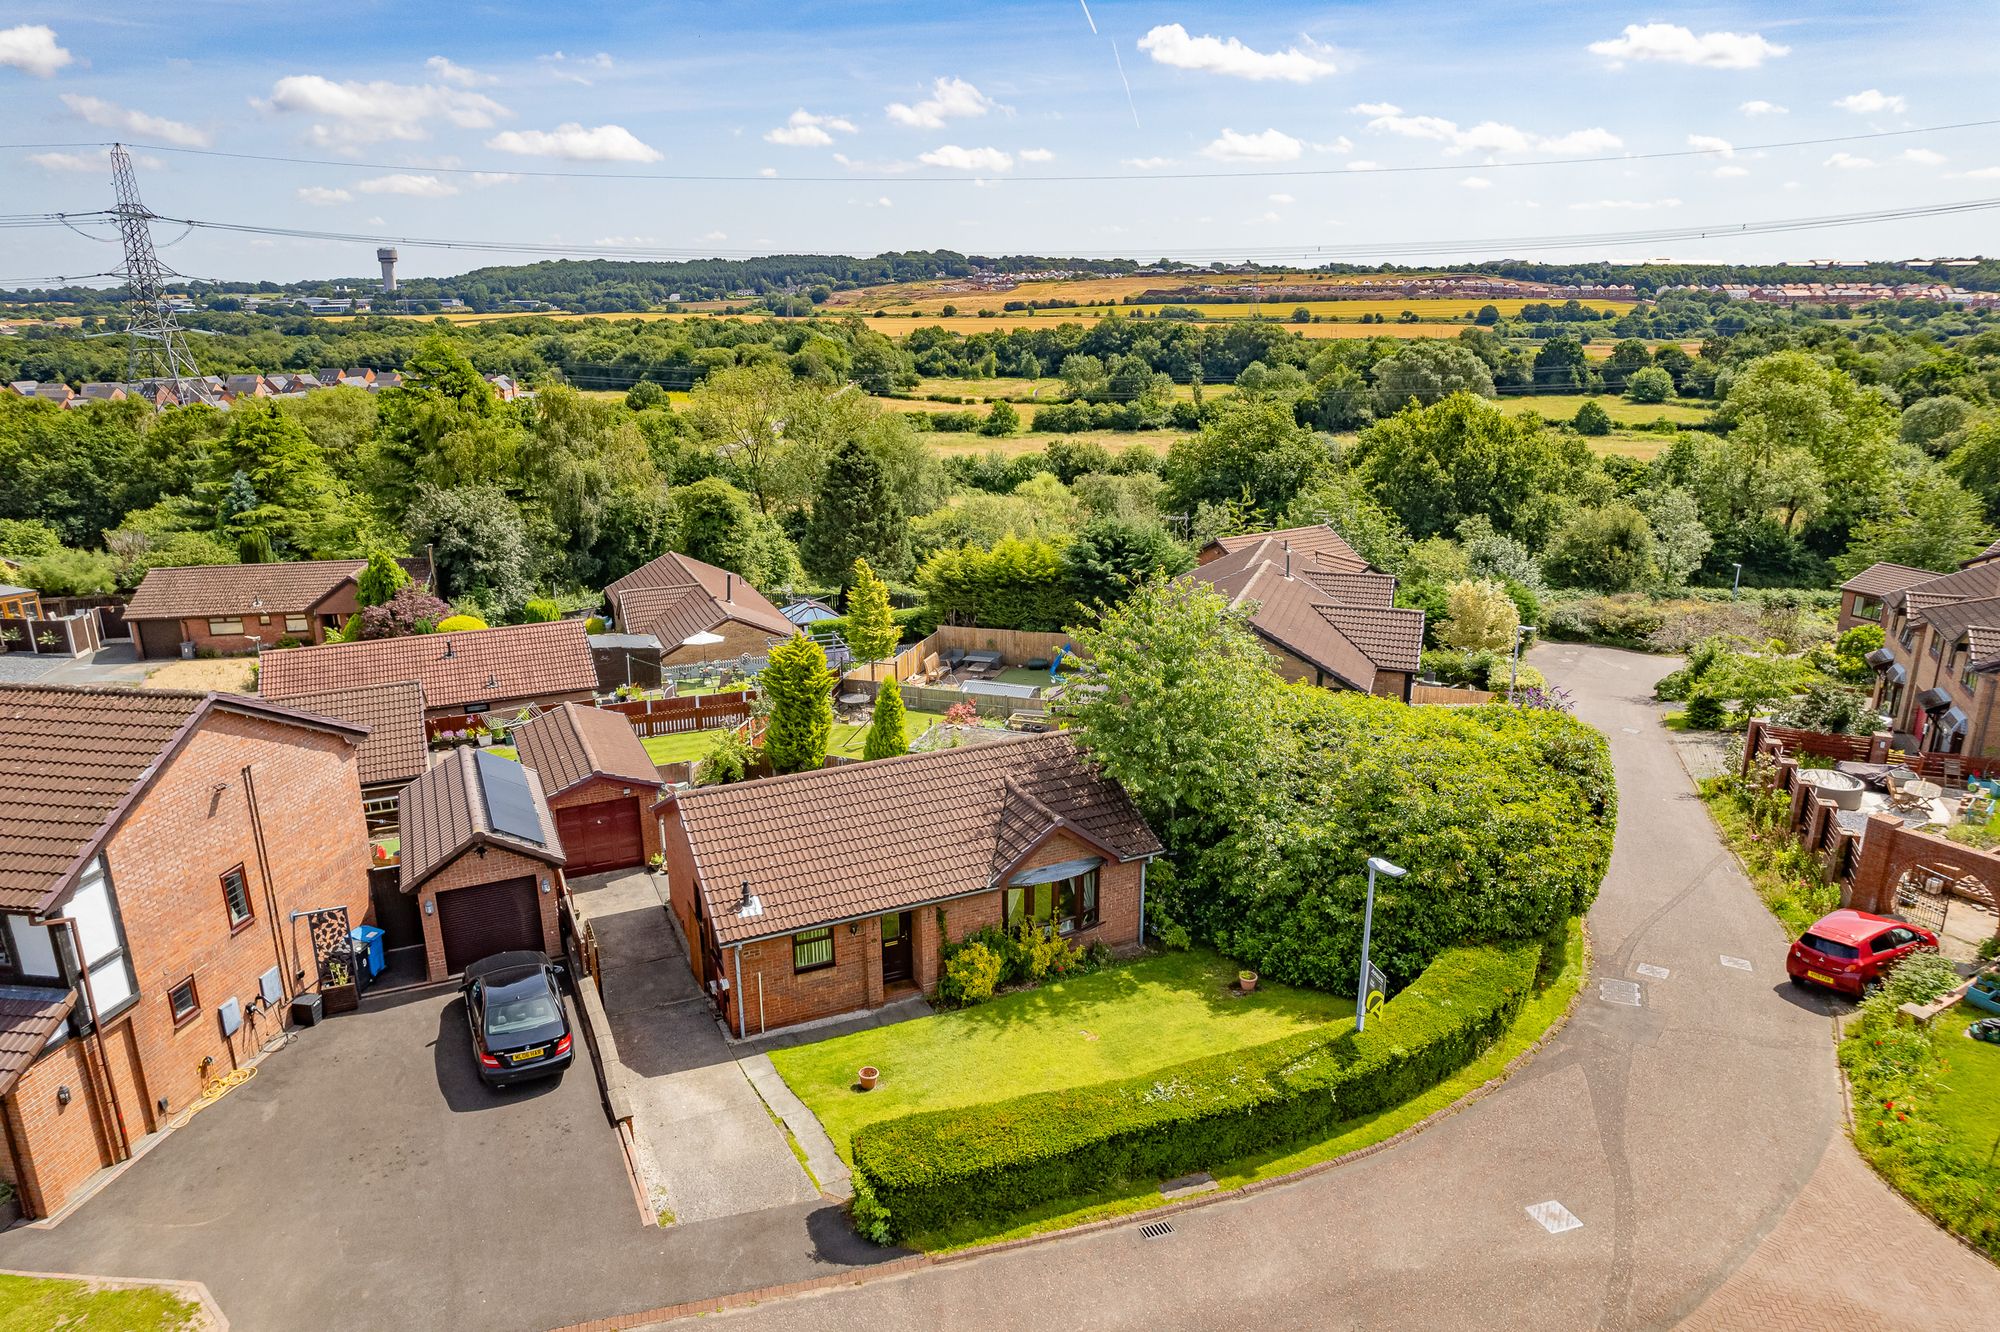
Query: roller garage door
x=599, y=837
x=487, y=919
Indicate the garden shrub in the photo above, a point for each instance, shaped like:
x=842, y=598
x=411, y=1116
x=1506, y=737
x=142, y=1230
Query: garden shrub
x=1455, y=667
x=990, y=1162
x=1523, y=675
x=971, y=975
x=1705, y=711
x=1831, y=709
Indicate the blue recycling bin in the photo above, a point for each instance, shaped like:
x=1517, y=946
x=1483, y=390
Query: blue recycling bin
x=368, y=947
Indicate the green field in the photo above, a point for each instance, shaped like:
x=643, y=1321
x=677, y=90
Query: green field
x=36, y=1304
x=1621, y=411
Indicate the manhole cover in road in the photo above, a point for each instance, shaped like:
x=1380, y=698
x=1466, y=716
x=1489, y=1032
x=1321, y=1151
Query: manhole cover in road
x=1554, y=1217
x=1740, y=963
x=1618, y=992
x=1651, y=972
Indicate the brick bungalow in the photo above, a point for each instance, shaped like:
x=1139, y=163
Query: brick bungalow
x=482, y=856
x=1938, y=670
x=477, y=671
x=821, y=893
x=396, y=751
x=170, y=837
x=1326, y=615
x=675, y=597
x=240, y=607
x=599, y=781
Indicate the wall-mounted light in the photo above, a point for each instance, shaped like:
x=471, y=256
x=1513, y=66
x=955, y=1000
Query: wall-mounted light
x=63, y=1095
x=430, y=908
x=545, y=885
x=854, y=927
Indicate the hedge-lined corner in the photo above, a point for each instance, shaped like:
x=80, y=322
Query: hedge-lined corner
x=919, y=1173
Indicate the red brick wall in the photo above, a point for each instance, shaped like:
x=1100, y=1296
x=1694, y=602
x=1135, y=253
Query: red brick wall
x=471, y=869
x=601, y=790
x=61, y=1146
x=737, y=639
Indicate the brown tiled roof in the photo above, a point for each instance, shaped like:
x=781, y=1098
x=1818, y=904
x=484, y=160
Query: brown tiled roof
x=397, y=749
x=1879, y=580
x=71, y=758
x=1355, y=589
x=29, y=1015
x=1391, y=638
x=1320, y=540
x=513, y=663
x=1983, y=642
x=1968, y=584
x=1350, y=640
x=864, y=838
x=1992, y=552
x=1921, y=599
x=444, y=814
x=235, y=589
x=729, y=596
x=573, y=743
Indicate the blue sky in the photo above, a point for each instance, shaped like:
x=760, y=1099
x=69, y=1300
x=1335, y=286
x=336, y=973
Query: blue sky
x=939, y=124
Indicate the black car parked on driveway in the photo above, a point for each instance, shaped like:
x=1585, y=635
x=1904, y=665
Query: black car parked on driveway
x=520, y=1029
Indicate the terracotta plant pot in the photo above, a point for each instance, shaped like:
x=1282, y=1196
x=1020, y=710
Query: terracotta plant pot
x=1246, y=981
x=866, y=1078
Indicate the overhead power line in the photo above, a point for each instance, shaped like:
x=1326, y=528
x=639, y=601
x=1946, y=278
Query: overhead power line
x=910, y=177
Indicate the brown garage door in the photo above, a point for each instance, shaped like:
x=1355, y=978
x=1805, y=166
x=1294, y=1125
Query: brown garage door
x=599, y=837
x=156, y=640
x=490, y=918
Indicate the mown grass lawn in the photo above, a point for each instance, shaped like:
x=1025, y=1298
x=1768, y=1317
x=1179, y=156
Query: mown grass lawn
x=1123, y=1020
x=1970, y=1107
x=37, y=1304
x=847, y=739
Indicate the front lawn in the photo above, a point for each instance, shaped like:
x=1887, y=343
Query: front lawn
x=35, y=1304
x=847, y=739
x=1123, y=1020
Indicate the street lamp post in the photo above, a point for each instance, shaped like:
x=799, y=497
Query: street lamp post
x=1521, y=632
x=1375, y=864
x=1736, y=583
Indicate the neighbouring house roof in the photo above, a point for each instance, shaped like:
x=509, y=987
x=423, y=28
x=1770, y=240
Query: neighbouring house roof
x=1319, y=539
x=569, y=745
x=516, y=661
x=1972, y=583
x=447, y=812
x=288, y=588
x=1355, y=589
x=1879, y=580
x=29, y=1015
x=808, y=610
x=676, y=596
x=1982, y=643
x=72, y=760
x=864, y=838
x=1339, y=620
x=1992, y=552
x=397, y=749
x=1951, y=618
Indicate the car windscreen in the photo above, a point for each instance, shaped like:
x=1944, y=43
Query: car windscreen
x=1846, y=952
x=520, y=1008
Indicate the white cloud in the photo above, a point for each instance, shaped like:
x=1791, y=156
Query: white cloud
x=112, y=116
x=601, y=143
x=1848, y=162
x=1262, y=219
x=1708, y=143
x=1982, y=173
x=1675, y=45
x=1731, y=172
x=1036, y=155
x=1170, y=44
x=352, y=113
x=1341, y=144
x=321, y=197
x=967, y=159
x=1760, y=107
x=32, y=48
x=1364, y=165
x=1923, y=157
x=1376, y=109
x=409, y=185
x=1280, y=198
x=1475, y=183
x=459, y=74
x=1871, y=102
x=950, y=99
x=577, y=69
x=715, y=236
x=1149, y=163
x=1625, y=205
x=803, y=129
x=1269, y=146
x=96, y=163
x=768, y=173
x=626, y=242
x=1489, y=136
x=883, y=201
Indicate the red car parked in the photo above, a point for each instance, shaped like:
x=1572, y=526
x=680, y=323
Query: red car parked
x=1850, y=951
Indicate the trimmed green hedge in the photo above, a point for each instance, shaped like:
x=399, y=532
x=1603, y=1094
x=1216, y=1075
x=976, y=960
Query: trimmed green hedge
x=989, y=1162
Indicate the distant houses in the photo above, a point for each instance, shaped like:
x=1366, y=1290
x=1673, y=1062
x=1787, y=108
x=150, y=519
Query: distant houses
x=222, y=390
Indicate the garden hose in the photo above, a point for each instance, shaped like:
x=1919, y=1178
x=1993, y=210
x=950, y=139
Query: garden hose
x=212, y=1091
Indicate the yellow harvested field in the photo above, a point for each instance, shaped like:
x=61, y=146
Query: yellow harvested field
x=936, y=293
x=1640, y=444
x=227, y=675
x=1013, y=446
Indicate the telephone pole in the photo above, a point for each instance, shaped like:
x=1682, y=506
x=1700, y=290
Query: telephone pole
x=156, y=344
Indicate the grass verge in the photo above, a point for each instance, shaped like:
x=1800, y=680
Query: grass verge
x=35, y=1304
x=1789, y=879
x=1542, y=1012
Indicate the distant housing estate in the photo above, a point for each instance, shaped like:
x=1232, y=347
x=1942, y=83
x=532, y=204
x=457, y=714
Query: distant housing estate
x=222, y=390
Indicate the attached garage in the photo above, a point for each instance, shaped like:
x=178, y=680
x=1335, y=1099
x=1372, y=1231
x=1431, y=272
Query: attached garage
x=483, y=860
x=155, y=640
x=599, y=781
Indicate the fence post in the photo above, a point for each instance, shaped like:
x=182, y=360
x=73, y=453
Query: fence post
x=1752, y=737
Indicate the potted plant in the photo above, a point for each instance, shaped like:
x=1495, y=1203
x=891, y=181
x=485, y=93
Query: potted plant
x=656, y=862
x=481, y=736
x=339, y=994
x=866, y=1078
x=1246, y=981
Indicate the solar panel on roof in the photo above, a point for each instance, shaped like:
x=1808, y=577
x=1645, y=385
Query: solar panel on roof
x=510, y=804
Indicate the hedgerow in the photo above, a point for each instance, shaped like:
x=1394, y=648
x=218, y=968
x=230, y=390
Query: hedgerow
x=988, y=1162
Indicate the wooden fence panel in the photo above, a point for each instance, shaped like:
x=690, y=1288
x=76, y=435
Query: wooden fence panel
x=1440, y=696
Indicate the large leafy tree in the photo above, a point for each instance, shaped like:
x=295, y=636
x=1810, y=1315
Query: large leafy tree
x=299, y=504
x=716, y=523
x=1253, y=452
x=1427, y=370
x=1935, y=524
x=800, y=687
x=477, y=543
x=1608, y=548
x=1478, y=615
x=578, y=457
x=744, y=411
x=1112, y=556
x=444, y=426
x=854, y=516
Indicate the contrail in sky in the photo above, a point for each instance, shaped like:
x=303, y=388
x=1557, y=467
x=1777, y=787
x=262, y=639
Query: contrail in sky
x=1087, y=18
x=1128, y=86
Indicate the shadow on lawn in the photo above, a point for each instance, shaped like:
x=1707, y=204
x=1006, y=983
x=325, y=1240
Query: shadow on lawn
x=1208, y=978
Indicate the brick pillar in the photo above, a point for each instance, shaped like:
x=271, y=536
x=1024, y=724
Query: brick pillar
x=871, y=959
x=1873, y=888
x=1817, y=813
x=1752, y=738
x=925, y=942
x=1802, y=792
x=1878, y=747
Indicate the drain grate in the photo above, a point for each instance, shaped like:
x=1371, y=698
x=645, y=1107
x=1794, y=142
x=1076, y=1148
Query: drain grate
x=1155, y=1229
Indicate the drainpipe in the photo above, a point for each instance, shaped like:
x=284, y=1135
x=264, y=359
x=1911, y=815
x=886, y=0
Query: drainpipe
x=264, y=874
x=736, y=997
x=1142, y=899
x=124, y=1144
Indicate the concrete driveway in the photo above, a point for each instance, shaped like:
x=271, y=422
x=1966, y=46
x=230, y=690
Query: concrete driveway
x=366, y=1179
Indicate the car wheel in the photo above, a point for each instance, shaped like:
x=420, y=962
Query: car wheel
x=1870, y=987
x=1799, y=981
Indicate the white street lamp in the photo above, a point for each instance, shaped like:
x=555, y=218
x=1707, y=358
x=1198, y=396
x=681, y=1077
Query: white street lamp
x=1521, y=632
x=1375, y=865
